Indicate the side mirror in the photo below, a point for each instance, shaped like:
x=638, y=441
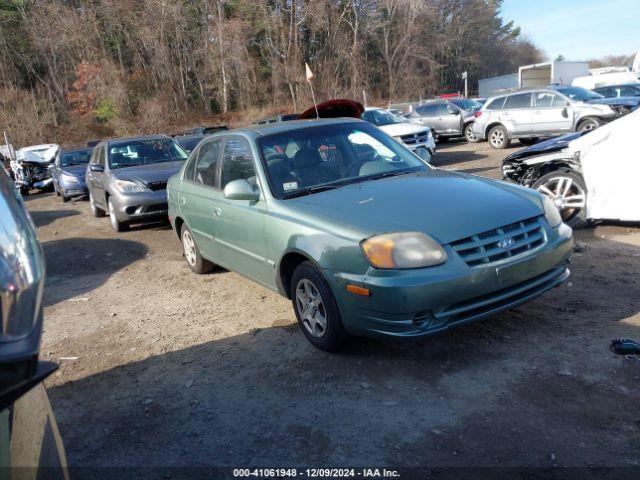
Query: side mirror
x=96, y=167
x=241, y=190
x=454, y=112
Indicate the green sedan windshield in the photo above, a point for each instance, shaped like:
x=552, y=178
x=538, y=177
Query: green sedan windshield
x=306, y=160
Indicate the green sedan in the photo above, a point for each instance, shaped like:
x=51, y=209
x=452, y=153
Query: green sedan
x=362, y=235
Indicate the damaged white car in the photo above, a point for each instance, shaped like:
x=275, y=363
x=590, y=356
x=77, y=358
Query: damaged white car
x=589, y=175
x=30, y=169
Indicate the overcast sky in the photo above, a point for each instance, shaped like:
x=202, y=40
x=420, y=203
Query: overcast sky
x=578, y=29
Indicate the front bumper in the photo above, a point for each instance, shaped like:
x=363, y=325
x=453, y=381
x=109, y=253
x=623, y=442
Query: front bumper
x=422, y=302
x=72, y=189
x=139, y=207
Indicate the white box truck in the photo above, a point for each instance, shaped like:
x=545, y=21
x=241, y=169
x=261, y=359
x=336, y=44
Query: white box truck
x=558, y=72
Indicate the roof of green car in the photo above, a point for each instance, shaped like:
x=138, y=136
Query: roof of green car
x=279, y=127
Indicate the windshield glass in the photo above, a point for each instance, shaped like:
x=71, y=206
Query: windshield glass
x=311, y=159
x=144, y=152
x=381, y=117
x=75, y=157
x=579, y=94
x=466, y=104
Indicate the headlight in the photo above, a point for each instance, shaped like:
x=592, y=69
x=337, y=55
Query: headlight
x=69, y=178
x=551, y=212
x=403, y=250
x=126, y=186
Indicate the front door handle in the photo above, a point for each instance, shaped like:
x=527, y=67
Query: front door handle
x=217, y=211
x=183, y=201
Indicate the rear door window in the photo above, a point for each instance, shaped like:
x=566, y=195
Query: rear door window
x=427, y=110
x=520, y=100
x=495, y=104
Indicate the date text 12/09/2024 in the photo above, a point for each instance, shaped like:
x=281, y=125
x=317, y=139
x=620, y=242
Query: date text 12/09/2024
x=316, y=473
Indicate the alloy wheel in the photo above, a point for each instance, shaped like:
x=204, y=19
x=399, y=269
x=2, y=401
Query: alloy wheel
x=588, y=126
x=112, y=216
x=311, y=308
x=189, y=247
x=497, y=138
x=470, y=136
x=568, y=197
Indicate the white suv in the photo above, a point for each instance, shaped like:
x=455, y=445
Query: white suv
x=529, y=115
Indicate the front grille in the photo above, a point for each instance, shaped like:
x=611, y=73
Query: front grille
x=157, y=186
x=158, y=207
x=416, y=138
x=500, y=243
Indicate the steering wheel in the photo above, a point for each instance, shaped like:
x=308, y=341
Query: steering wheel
x=351, y=169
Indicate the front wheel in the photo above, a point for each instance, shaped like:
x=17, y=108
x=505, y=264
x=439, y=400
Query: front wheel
x=588, y=124
x=117, y=225
x=568, y=192
x=191, y=253
x=469, y=136
x=316, y=308
x=96, y=211
x=499, y=137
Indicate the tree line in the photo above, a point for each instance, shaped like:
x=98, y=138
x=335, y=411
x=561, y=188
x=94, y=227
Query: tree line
x=120, y=64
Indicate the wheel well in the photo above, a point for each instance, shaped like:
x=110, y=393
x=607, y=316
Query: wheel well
x=586, y=119
x=178, y=225
x=553, y=167
x=288, y=265
x=490, y=126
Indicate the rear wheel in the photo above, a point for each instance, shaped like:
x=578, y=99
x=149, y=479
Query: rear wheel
x=569, y=194
x=95, y=210
x=316, y=308
x=469, y=135
x=191, y=253
x=588, y=124
x=499, y=138
x=117, y=225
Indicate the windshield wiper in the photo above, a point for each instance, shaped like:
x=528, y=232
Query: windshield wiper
x=311, y=190
x=395, y=173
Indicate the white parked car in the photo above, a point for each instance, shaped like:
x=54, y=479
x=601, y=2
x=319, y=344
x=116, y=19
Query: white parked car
x=590, y=175
x=417, y=138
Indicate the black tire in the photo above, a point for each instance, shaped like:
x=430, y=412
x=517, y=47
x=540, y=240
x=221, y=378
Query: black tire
x=24, y=191
x=499, y=137
x=575, y=218
x=589, y=123
x=194, y=260
x=55, y=189
x=64, y=198
x=117, y=225
x=441, y=139
x=333, y=335
x=529, y=141
x=469, y=136
x=96, y=211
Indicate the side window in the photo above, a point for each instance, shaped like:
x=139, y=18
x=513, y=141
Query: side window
x=496, y=104
x=207, y=162
x=559, y=101
x=452, y=109
x=441, y=109
x=237, y=161
x=427, y=110
x=190, y=170
x=520, y=100
x=544, y=99
x=628, y=91
x=99, y=158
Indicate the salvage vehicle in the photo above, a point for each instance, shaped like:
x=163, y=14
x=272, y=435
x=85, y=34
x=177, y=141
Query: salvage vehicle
x=449, y=119
x=31, y=167
x=620, y=105
x=189, y=141
x=30, y=443
x=68, y=172
x=531, y=114
x=127, y=177
x=615, y=91
x=588, y=177
x=361, y=235
x=417, y=138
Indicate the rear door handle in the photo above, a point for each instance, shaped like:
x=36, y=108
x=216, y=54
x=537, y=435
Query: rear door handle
x=217, y=211
x=183, y=201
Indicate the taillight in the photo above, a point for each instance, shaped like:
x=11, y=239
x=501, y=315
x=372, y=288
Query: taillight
x=477, y=114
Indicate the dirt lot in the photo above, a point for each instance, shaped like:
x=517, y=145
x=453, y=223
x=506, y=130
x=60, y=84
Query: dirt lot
x=160, y=367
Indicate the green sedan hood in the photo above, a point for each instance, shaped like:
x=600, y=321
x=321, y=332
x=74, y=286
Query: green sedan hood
x=445, y=205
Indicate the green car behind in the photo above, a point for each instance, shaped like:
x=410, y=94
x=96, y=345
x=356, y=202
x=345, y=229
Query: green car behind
x=362, y=235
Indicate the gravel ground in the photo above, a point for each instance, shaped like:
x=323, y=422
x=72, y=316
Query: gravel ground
x=160, y=367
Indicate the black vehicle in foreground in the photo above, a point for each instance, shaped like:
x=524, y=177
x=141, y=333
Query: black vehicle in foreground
x=29, y=435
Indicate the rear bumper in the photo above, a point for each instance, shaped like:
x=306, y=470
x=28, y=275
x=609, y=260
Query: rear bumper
x=423, y=302
x=140, y=207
